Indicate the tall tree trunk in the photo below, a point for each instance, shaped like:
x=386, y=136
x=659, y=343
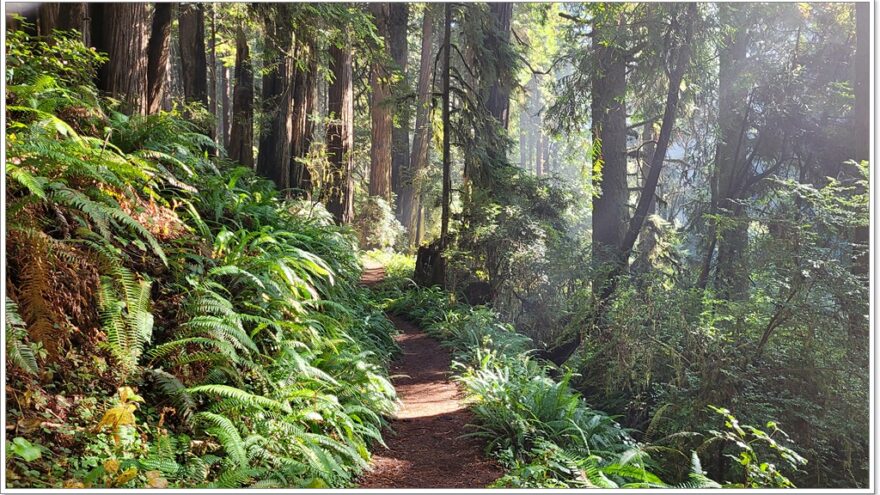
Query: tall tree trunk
x=339, y=193
x=224, y=105
x=676, y=73
x=398, y=21
x=213, y=80
x=48, y=18
x=498, y=102
x=539, y=152
x=194, y=70
x=862, y=110
x=447, y=172
x=303, y=105
x=546, y=161
x=123, y=33
x=157, y=56
x=410, y=200
x=273, y=160
x=380, y=113
x=732, y=242
x=858, y=321
x=241, y=136
x=609, y=136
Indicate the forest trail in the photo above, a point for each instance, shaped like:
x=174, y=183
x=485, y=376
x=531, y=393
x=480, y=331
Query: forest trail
x=425, y=444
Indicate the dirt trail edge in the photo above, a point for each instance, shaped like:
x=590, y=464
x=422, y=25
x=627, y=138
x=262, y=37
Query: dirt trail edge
x=425, y=448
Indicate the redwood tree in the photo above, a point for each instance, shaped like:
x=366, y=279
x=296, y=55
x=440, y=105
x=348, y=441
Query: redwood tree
x=194, y=65
x=273, y=160
x=380, y=111
x=122, y=30
x=397, y=26
x=241, y=136
x=339, y=193
x=608, y=111
x=158, y=55
x=410, y=198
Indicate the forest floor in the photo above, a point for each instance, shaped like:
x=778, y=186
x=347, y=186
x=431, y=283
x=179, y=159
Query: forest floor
x=426, y=448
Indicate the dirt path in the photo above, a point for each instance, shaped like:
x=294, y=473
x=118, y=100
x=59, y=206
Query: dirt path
x=425, y=449
x=372, y=274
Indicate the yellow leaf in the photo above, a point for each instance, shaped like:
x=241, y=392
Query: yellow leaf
x=71, y=483
x=111, y=466
x=126, y=476
x=126, y=394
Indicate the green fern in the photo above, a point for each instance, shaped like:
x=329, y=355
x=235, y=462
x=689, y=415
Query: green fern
x=17, y=351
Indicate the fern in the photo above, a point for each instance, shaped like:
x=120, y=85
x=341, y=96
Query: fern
x=17, y=351
x=228, y=435
x=242, y=397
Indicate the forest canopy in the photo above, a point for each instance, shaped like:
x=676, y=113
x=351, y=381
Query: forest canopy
x=641, y=229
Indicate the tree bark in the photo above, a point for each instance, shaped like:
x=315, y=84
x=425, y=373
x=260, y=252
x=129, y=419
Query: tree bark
x=608, y=111
x=241, y=136
x=398, y=21
x=539, y=152
x=447, y=172
x=339, y=194
x=303, y=104
x=732, y=242
x=123, y=33
x=273, y=160
x=410, y=200
x=158, y=56
x=498, y=102
x=380, y=113
x=191, y=22
x=862, y=109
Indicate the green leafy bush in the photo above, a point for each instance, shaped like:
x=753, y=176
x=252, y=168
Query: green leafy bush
x=139, y=262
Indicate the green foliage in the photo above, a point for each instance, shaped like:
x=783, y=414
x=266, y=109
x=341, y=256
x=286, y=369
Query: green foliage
x=748, y=440
x=235, y=314
x=541, y=429
x=376, y=225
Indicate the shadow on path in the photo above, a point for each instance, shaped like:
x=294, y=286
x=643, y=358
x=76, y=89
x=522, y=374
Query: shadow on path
x=425, y=448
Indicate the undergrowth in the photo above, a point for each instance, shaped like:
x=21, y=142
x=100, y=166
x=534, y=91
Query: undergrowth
x=171, y=322
x=543, y=431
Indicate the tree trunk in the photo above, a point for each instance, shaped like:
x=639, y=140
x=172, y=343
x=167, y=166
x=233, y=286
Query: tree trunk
x=546, y=161
x=498, y=102
x=858, y=313
x=48, y=18
x=380, y=114
x=862, y=109
x=123, y=33
x=732, y=242
x=241, y=136
x=339, y=193
x=398, y=21
x=273, y=160
x=158, y=55
x=609, y=140
x=64, y=16
x=303, y=105
x=214, y=80
x=191, y=25
x=683, y=56
x=447, y=172
x=410, y=200
x=224, y=105
x=539, y=152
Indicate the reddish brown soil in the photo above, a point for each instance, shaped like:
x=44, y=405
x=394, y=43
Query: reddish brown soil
x=426, y=448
